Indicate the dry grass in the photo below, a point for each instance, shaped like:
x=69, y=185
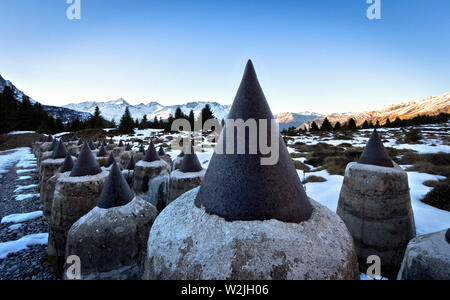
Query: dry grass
x=300, y=166
x=313, y=178
x=8, y=142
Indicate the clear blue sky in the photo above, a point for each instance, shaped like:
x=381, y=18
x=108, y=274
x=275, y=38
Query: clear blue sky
x=318, y=55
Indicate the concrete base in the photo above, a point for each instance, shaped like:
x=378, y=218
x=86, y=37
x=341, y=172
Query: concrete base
x=181, y=182
x=186, y=243
x=126, y=156
x=112, y=243
x=44, y=156
x=73, y=198
x=47, y=193
x=427, y=257
x=376, y=207
x=145, y=171
x=48, y=169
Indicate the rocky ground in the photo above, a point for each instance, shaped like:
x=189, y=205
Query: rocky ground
x=28, y=264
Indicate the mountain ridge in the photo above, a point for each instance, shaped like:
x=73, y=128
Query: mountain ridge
x=431, y=106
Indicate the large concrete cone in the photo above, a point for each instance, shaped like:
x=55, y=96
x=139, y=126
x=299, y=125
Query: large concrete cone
x=427, y=257
x=249, y=220
x=376, y=207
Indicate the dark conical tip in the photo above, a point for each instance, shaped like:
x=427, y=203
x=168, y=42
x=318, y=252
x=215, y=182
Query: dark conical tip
x=80, y=142
x=181, y=154
x=131, y=164
x=110, y=160
x=104, y=143
x=375, y=153
x=49, y=139
x=239, y=187
x=161, y=151
x=151, y=154
x=86, y=164
x=191, y=164
x=447, y=236
x=121, y=144
x=60, y=151
x=116, y=191
x=111, y=141
x=102, y=152
x=67, y=165
x=54, y=145
x=128, y=147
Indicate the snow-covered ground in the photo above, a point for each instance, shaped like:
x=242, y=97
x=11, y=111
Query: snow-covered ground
x=23, y=243
x=19, y=218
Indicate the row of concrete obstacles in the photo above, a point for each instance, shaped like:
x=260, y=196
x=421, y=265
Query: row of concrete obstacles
x=245, y=221
x=93, y=212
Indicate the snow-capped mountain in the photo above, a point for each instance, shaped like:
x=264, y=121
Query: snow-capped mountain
x=114, y=109
x=66, y=115
x=288, y=119
x=430, y=106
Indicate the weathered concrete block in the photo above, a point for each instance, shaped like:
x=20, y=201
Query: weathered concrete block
x=427, y=257
x=187, y=243
x=145, y=171
x=181, y=182
x=376, y=207
x=47, y=193
x=73, y=198
x=126, y=156
x=112, y=243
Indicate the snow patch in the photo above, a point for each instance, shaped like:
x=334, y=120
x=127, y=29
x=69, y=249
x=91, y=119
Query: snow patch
x=19, y=218
x=7, y=248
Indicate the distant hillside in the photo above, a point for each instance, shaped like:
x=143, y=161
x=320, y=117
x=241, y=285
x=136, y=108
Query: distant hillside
x=66, y=115
x=114, y=109
x=288, y=119
x=431, y=106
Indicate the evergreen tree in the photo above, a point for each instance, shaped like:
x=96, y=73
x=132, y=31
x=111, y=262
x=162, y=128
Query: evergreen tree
x=388, y=123
x=206, y=114
x=351, y=125
x=326, y=125
x=144, y=123
x=191, y=119
x=337, y=126
x=126, y=123
x=314, y=127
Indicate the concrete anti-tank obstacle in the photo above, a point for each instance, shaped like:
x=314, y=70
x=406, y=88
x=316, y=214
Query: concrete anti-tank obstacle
x=427, y=257
x=249, y=221
x=76, y=193
x=48, y=191
x=147, y=169
x=188, y=177
x=111, y=239
x=376, y=207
